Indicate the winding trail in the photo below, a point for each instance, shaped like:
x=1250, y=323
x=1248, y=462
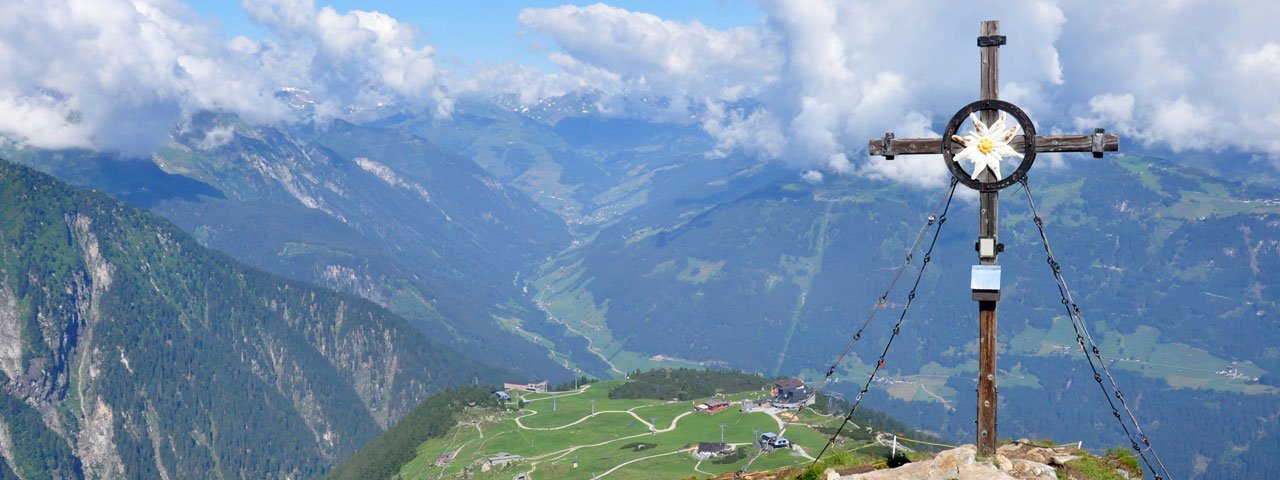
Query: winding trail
x=583, y=419
x=479, y=430
x=944, y=401
x=697, y=467
x=590, y=345
x=540, y=301
x=653, y=430
x=800, y=450
x=558, y=394
x=559, y=454
x=629, y=462
x=782, y=426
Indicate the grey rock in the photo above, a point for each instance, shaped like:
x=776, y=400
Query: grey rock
x=1062, y=459
x=958, y=463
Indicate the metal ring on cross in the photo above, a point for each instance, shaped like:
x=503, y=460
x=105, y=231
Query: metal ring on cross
x=1028, y=145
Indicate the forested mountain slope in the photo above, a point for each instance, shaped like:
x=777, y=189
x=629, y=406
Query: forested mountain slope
x=379, y=213
x=127, y=350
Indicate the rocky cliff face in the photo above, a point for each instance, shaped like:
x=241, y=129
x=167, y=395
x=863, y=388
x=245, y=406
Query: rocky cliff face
x=129, y=351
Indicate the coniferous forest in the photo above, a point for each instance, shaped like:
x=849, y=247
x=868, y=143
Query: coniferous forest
x=686, y=383
x=383, y=457
x=167, y=359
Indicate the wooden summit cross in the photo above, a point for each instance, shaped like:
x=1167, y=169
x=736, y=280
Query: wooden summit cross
x=989, y=140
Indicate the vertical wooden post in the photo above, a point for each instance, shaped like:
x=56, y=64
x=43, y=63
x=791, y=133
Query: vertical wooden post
x=987, y=228
x=989, y=42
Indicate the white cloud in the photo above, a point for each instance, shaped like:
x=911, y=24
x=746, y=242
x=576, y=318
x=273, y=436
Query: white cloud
x=529, y=83
x=614, y=47
x=812, y=176
x=1116, y=109
x=356, y=59
x=119, y=74
x=1145, y=69
x=852, y=73
x=734, y=129
x=809, y=84
x=825, y=75
x=1265, y=61
x=917, y=170
x=217, y=137
x=841, y=72
x=110, y=74
x=1182, y=125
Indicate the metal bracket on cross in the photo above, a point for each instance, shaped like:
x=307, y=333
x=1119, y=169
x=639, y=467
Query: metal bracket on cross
x=991, y=40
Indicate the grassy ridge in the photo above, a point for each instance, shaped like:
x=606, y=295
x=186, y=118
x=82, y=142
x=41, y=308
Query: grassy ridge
x=558, y=435
x=561, y=439
x=586, y=432
x=384, y=456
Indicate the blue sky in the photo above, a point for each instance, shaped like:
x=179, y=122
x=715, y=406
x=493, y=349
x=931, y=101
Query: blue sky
x=803, y=81
x=468, y=31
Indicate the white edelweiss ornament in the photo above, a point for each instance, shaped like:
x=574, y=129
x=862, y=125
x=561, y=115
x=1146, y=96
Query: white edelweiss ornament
x=986, y=146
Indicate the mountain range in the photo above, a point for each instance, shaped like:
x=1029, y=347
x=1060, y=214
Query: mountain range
x=551, y=242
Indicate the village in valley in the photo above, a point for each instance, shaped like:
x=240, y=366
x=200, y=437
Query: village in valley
x=589, y=431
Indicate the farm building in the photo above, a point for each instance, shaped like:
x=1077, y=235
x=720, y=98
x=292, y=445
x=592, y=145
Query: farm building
x=712, y=406
x=502, y=458
x=443, y=460
x=540, y=387
x=712, y=449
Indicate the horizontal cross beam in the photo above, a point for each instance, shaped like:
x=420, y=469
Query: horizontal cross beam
x=1097, y=143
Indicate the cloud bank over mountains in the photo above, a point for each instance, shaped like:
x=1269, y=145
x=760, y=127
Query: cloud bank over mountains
x=808, y=84
x=119, y=74
x=851, y=70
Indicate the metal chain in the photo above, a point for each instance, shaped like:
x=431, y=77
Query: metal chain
x=897, y=274
x=897, y=328
x=880, y=304
x=1083, y=336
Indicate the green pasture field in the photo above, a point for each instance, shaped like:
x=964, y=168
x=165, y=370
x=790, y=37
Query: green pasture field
x=568, y=442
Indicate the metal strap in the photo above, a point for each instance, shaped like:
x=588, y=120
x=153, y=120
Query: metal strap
x=991, y=40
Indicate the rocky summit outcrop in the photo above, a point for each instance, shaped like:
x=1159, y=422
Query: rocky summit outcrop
x=959, y=463
x=1021, y=460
